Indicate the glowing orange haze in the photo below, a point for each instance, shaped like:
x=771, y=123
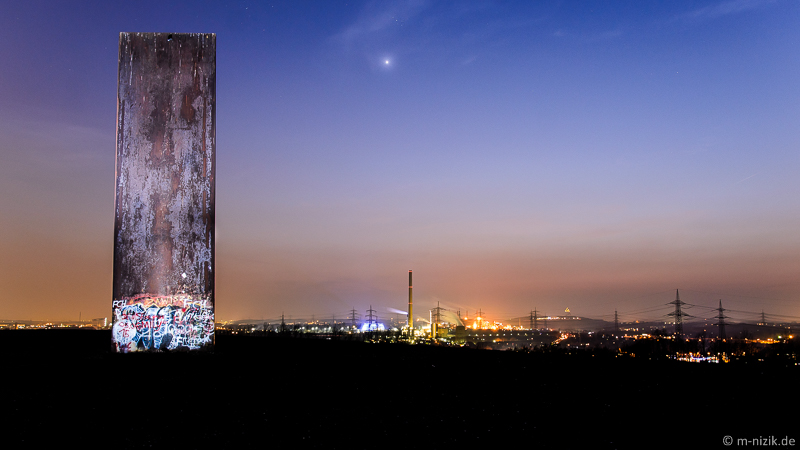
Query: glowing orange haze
x=58, y=273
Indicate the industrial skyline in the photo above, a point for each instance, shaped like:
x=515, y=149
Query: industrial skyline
x=514, y=155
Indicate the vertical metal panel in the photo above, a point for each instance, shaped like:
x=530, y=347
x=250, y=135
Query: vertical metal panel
x=163, y=293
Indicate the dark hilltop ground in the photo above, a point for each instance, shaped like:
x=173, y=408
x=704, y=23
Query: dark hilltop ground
x=66, y=388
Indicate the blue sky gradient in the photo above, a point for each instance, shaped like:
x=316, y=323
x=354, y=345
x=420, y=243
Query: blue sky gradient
x=513, y=154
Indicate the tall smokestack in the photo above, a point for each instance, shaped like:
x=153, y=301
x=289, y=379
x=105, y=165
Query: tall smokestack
x=410, y=306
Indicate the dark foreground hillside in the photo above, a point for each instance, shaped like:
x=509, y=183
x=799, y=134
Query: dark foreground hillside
x=64, y=387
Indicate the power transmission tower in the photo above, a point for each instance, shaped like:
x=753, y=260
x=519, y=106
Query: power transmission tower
x=436, y=319
x=479, y=315
x=534, y=319
x=438, y=314
x=371, y=319
x=616, y=323
x=353, y=318
x=721, y=322
x=763, y=318
x=678, y=314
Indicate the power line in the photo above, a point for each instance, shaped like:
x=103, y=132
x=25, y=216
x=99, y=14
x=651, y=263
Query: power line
x=735, y=295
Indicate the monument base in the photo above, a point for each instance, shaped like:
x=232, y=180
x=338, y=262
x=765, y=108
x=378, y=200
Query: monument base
x=149, y=322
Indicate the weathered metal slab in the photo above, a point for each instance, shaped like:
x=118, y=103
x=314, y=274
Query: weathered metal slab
x=163, y=294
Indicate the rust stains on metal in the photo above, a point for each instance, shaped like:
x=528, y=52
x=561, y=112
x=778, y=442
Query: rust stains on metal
x=165, y=166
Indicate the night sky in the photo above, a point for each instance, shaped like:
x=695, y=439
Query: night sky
x=514, y=155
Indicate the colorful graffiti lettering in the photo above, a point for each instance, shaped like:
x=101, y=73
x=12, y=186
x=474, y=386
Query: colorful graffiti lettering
x=147, y=322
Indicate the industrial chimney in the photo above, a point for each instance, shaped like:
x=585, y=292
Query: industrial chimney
x=410, y=307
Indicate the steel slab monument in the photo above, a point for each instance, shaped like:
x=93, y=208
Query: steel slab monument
x=163, y=295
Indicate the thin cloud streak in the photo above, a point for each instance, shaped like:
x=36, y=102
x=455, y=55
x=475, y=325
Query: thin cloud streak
x=378, y=17
x=726, y=8
x=746, y=178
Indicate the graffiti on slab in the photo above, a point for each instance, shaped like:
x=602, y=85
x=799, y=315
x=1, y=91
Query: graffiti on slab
x=150, y=322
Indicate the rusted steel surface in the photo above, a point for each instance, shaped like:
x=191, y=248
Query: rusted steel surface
x=163, y=291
